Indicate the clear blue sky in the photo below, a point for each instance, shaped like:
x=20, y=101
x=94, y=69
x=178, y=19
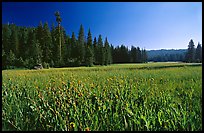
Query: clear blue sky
x=149, y=25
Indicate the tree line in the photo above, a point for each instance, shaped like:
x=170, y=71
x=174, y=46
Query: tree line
x=193, y=54
x=168, y=57
x=28, y=46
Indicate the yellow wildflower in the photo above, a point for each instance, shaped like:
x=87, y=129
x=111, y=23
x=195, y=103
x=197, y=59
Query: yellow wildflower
x=72, y=124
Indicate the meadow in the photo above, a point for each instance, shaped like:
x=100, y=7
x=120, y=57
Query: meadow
x=122, y=97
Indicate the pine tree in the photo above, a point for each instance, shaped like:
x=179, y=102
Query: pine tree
x=14, y=40
x=190, y=55
x=133, y=54
x=36, y=50
x=40, y=34
x=11, y=59
x=68, y=50
x=95, y=47
x=89, y=50
x=47, y=44
x=6, y=38
x=59, y=56
x=74, y=47
x=101, y=56
x=4, y=60
x=139, y=56
x=23, y=48
x=6, y=44
x=81, y=41
x=53, y=45
x=29, y=44
x=63, y=48
x=107, y=52
x=112, y=50
x=143, y=56
x=198, y=53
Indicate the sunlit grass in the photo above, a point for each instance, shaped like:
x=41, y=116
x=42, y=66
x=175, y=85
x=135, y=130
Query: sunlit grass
x=133, y=97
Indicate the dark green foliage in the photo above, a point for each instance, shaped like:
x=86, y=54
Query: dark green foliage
x=89, y=55
x=59, y=34
x=35, y=51
x=164, y=55
x=133, y=54
x=107, y=52
x=40, y=34
x=45, y=65
x=58, y=18
x=95, y=48
x=198, y=54
x=23, y=48
x=101, y=54
x=143, y=56
x=53, y=35
x=40, y=44
x=11, y=58
x=67, y=51
x=28, y=46
x=6, y=38
x=14, y=44
x=74, y=47
x=47, y=44
x=80, y=44
x=121, y=54
x=193, y=54
x=4, y=59
x=190, y=55
x=19, y=62
x=139, y=55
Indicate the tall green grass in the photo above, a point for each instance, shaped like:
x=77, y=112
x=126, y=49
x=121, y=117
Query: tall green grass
x=117, y=97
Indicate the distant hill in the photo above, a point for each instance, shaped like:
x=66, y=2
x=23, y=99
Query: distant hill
x=166, y=55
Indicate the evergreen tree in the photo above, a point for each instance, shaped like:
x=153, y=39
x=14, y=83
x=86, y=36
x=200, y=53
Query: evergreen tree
x=81, y=41
x=95, y=47
x=47, y=44
x=74, y=47
x=67, y=50
x=5, y=44
x=52, y=32
x=40, y=34
x=107, y=52
x=198, y=53
x=23, y=48
x=11, y=59
x=53, y=45
x=59, y=56
x=124, y=56
x=190, y=55
x=29, y=46
x=139, y=56
x=36, y=49
x=6, y=38
x=143, y=56
x=63, y=48
x=101, y=55
x=133, y=54
x=14, y=40
x=4, y=60
x=89, y=50
x=112, y=50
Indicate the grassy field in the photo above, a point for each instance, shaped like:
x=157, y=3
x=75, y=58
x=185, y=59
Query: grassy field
x=132, y=97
